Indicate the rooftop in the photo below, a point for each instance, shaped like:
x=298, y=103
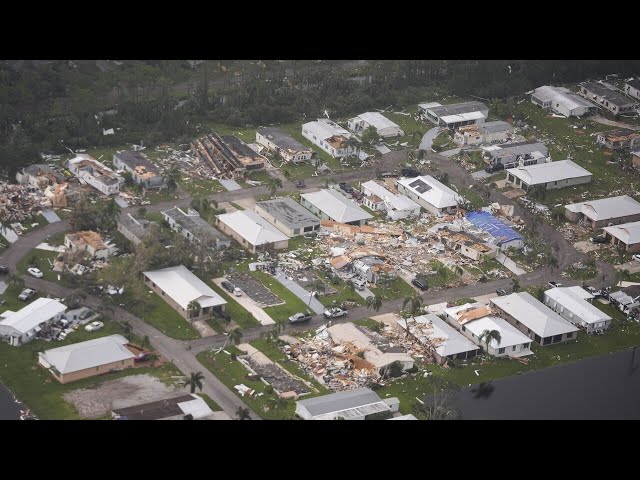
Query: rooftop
x=336, y=206
x=561, y=95
x=549, y=172
x=139, y=162
x=533, y=314
x=446, y=340
x=432, y=191
x=88, y=164
x=455, y=109
x=136, y=226
x=89, y=354
x=242, y=151
x=627, y=233
x=360, y=401
x=324, y=129
x=39, y=169
x=282, y=140
x=518, y=148
x=183, y=287
x=37, y=312
x=615, y=97
x=252, y=227
x=378, y=120
x=573, y=299
x=494, y=226
x=394, y=200
x=169, y=407
x=289, y=212
x=620, y=134
x=194, y=224
x=91, y=238
x=635, y=83
x=606, y=208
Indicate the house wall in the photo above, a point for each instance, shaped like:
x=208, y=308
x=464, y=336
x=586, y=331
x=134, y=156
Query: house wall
x=156, y=181
x=566, y=337
x=224, y=228
x=291, y=232
x=296, y=157
x=512, y=179
x=90, y=372
x=632, y=92
x=418, y=199
x=574, y=319
x=633, y=248
x=343, y=152
x=606, y=104
x=613, y=221
x=203, y=314
x=15, y=338
x=508, y=349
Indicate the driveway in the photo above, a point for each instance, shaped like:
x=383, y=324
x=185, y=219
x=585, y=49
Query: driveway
x=611, y=123
x=300, y=292
x=451, y=153
x=633, y=266
x=480, y=174
x=250, y=305
x=428, y=138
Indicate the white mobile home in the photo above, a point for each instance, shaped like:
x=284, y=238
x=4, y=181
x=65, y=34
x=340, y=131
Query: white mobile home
x=564, y=173
x=384, y=126
x=571, y=303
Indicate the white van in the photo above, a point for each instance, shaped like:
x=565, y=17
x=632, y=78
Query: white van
x=359, y=283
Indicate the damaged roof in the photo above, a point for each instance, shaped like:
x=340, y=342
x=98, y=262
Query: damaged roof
x=138, y=159
x=377, y=120
x=365, y=400
x=288, y=212
x=282, y=140
x=39, y=311
x=612, y=96
x=445, y=339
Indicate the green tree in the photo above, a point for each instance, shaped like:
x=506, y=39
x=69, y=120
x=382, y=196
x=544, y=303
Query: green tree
x=273, y=184
x=489, y=335
x=515, y=284
x=373, y=302
x=15, y=280
x=552, y=263
x=243, y=414
x=415, y=304
x=370, y=136
x=235, y=335
x=194, y=381
x=277, y=402
x=354, y=145
x=315, y=286
x=173, y=177
x=194, y=308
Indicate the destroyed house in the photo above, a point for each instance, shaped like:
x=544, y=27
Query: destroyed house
x=500, y=234
x=444, y=341
x=535, y=319
x=252, y=231
x=329, y=204
x=383, y=126
x=608, y=98
x=87, y=169
x=454, y=115
x=466, y=244
x=620, y=139
x=379, y=196
x=39, y=176
x=571, y=303
x=604, y=212
x=562, y=101
x=143, y=171
x=184, y=407
x=288, y=216
x=18, y=328
x=134, y=229
x=625, y=236
x=329, y=136
x=289, y=149
x=632, y=88
x=194, y=228
x=88, y=241
x=226, y=156
x=487, y=132
x=357, y=404
x=550, y=176
x=429, y=193
x=517, y=154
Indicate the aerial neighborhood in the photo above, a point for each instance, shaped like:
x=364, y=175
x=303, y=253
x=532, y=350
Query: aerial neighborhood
x=344, y=265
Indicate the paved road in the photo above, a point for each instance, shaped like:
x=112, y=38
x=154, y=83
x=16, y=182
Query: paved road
x=611, y=123
x=451, y=153
x=428, y=138
x=27, y=242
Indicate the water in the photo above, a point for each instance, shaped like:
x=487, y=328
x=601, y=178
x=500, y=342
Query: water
x=600, y=388
x=9, y=409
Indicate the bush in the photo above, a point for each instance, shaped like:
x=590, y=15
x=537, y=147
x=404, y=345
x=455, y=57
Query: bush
x=234, y=356
x=268, y=389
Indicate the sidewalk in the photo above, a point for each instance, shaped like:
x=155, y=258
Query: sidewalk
x=300, y=292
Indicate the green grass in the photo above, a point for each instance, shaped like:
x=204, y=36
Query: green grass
x=472, y=196
x=201, y=187
x=12, y=302
x=212, y=405
x=443, y=142
x=462, y=301
x=397, y=288
x=298, y=172
x=238, y=313
x=39, y=259
x=370, y=324
x=154, y=217
x=158, y=195
x=292, y=303
x=581, y=273
x=237, y=206
x=440, y=280
x=344, y=294
x=37, y=388
x=259, y=176
x=28, y=222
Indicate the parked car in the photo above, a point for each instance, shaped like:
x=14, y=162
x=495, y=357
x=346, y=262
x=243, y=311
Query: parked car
x=636, y=257
x=555, y=284
x=94, y=326
x=335, y=312
x=359, y=283
x=299, y=317
x=237, y=292
x=4, y=269
x=599, y=240
x=85, y=314
x=496, y=167
x=26, y=294
x=389, y=174
x=228, y=286
x=142, y=356
x=420, y=283
x=346, y=187
x=357, y=195
x=62, y=335
x=501, y=292
x=35, y=272
x=301, y=184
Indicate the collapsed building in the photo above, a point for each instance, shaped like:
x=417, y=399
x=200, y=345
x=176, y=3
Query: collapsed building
x=90, y=171
x=226, y=156
x=142, y=170
x=39, y=176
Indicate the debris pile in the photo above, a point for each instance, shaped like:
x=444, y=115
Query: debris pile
x=18, y=202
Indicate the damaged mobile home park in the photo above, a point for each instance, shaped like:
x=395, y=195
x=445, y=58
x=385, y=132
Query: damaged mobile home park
x=349, y=265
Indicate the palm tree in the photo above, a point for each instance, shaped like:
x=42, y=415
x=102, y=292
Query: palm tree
x=354, y=144
x=273, y=184
x=488, y=336
x=515, y=284
x=201, y=204
x=552, y=263
x=193, y=308
x=173, y=177
x=235, y=335
x=243, y=414
x=373, y=302
x=194, y=381
x=415, y=303
x=315, y=286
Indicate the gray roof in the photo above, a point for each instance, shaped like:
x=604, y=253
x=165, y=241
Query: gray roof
x=137, y=226
x=41, y=169
x=459, y=108
x=612, y=96
x=240, y=148
x=336, y=206
x=282, y=140
x=289, y=212
x=36, y=313
x=520, y=148
x=137, y=159
x=446, y=340
x=169, y=407
x=627, y=233
x=340, y=401
x=606, y=208
x=89, y=354
x=635, y=83
x=194, y=224
x=549, y=172
x=494, y=127
x=561, y=95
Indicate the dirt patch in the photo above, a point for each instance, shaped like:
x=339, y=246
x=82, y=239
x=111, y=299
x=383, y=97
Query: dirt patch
x=586, y=246
x=120, y=393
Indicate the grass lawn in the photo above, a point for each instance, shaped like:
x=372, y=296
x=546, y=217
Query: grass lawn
x=12, y=302
x=39, y=259
x=201, y=187
x=232, y=372
x=397, y=288
x=237, y=312
x=443, y=142
x=237, y=206
x=34, y=386
x=33, y=222
x=472, y=196
x=440, y=280
x=622, y=335
x=212, y=405
x=157, y=195
x=297, y=172
x=154, y=217
x=280, y=312
x=370, y=324
x=259, y=176
x=345, y=294
x=586, y=273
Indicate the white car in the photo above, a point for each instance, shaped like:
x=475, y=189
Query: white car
x=35, y=272
x=334, y=312
x=636, y=256
x=93, y=326
x=237, y=292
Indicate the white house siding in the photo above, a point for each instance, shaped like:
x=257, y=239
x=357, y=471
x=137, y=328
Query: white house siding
x=508, y=349
x=575, y=319
x=550, y=185
x=343, y=152
x=419, y=200
x=633, y=92
x=287, y=156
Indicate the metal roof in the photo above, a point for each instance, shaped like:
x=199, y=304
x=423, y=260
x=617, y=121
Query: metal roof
x=432, y=191
x=378, y=120
x=635, y=83
x=404, y=417
x=182, y=286
x=494, y=127
x=627, y=233
x=89, y=354
x=282, y=140
x=606, y=208
x=533, y=314
x=360, y=401
x=493, y=226
x=455, y=109
x=397, y=202
x=615, y=97
x=135, y=159
x=324, y=129
x=549, y=172
x=193, y=223
x=518, y=148
x=336, y=206
x=445, y=339
x=573, y=299
x=252, y=227
x=561, y=95
x=37, y=312
x=288, y=212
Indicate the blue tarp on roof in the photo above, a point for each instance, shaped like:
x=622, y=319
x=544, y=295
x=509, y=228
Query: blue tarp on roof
x=493, y=226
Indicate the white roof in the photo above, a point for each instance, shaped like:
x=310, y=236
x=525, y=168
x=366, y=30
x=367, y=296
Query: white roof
x=378, y=120
x=606, y=208
x=573, y=299
x=197, y=408
x=549, y=172
x=348, y=404
x=533, y=314
x=252, y=227
x=627, y=233
x=462, y=117
x=89, y=354
x=324, y=129
x=561, y=95
x=429, y=105
x=397, y=202
x=182, y=287
x=435, y=331
x=34, y=314
x=404, y=417
x=432, y=191
x=336, y=206
x=509, y=335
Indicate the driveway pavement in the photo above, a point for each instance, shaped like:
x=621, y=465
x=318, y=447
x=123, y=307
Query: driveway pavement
x=250, y=305
x=300, y=292
x=428, y=138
